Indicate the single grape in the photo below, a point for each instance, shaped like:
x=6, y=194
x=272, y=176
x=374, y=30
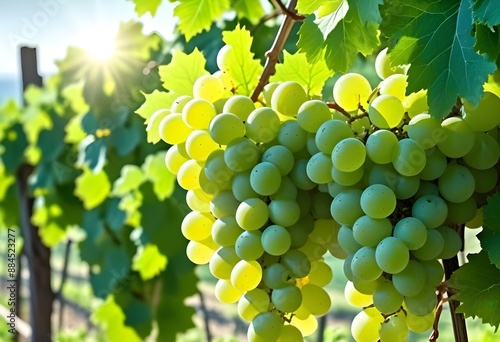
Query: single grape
x=378, y=201
x=226, y=230
x=364, y=266
x=431, y=210
x=246, y=275
x=226, y=293
x=249, y=246
x=369, y=231
x=330, y=133
x=276, y=240
x=485, y=115
x=299, y=177
x=173, y=130
x=287, y=298
x=252, y=214
x=425, y=130
x=365, y=327
x=198, y=113
x=253, y=303
x=346, y=207
x=267, y=325
x=276, y=276
x=197, y=226
x=292, y=136
x=432, y=247
x=394, y=330
x=485, y=152
x=262, y=125
x=287, y=98
x=351, y=90
x=386, y=111
x=208, y=87
x=315, y=299
x=319, y=167
x=422, y=303
x=386, y=298
x=392, y=255
x=239, y=105
x=452, y=242
x=290, y=333
x=265, y=178
x=383, y=66
x=456, y=184
x=458, y=137
x=225, y=128
x=281, y=157
x=408, y=157
x=356, y=298
x=348, y=155
x=296, y=262
x=394, y=85
x=416, y=103
x=241, y=154
x=379, y=146
x=411, y=231
x=312, y=114
x=411, y=280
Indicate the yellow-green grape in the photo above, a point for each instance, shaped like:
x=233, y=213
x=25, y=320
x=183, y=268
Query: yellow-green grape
x=325, y=229
x=458, y=138
x=315, y=299
x=330, y=133
x=456, y=184
x=224, y=204
x=368, y=231
x=226, y=80
x=287, y=298
x=425, y=130
x=222, y=262
x=292, y=136
x=416, y=103
x=262, y=125
x=434, y=272
x=197, y=226
x=386, y=111
x=485, y=115
x=307, y=326
x=173, y=130
x=485, y=180
x=392, y=255
x=485, y=152
x=174, y=159
x=383, y=66
x=379, y=146
x=411, y=231
x=241, y=187
x=241, y=154
x=419, y=324
x=198, y=113
x=197, y=200
x=435, y=165
x=226, y=230
x=223, y=56
x=239, y=105
x=452, y=242
x=321, y=273
x=200, y=253
x=394, y=329
x=431, y=210
x=408, y=157
x=276, y=276
x=268, y=325
x=290, y=333
x=296, y=262
x=312, y=114
x=188, y=175
x=284, y=212
x=378, y=201
x=349, y=155
x=477, y=221
x=252, y=214
x=253, y=303
x=246, y=275
x=386, y=298
x=364, y=266
x=225, y=128
x=154, y=124
x=268, y=91
x=423, y=303
x=199, y=145
x=276, y=240
x=248, y=245
x=179, y=103
x=356, y=298
x=351, y=90
x=216, y=169
x=347, y=178
x=287, y=98
x=281, y=157
x=226, y=293
x=319, y=168
x=366, y=325
x=346, y=207
x=394, y=85
x=411, y=280
x=253, y=337
x=432, y=246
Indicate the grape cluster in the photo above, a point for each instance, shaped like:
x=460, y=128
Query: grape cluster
x=372, y=178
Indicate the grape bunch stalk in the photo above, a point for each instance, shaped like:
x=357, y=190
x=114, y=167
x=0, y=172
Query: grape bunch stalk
x=372, y=178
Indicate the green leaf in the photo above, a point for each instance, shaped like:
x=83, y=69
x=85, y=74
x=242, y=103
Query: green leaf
x=14, y=145
x=158, y=100
x=488, y=41
x=52, y=234
x=155, y=171
x=478, y=283
x=490, y=236
x=9, y=114
x=369, y=10
x=6, y=180
x=196, y=16
x=243, y=68
x=144, y=6
x=35, y=120
x=250, y=9
x=309, y=6
x=434, y=37
x=179, y=75
x=148, y=261
x=312, y=76
x=91, y=188
x=486, y=12
x=131, y=177
x=331, y=17
x=311, y=40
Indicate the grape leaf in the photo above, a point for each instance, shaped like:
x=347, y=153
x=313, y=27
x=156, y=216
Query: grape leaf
x=13, y=145
x=309, y=6
x=490, y=236
x=311, y=40
x=486, y=12
x=92, y=188
x=144, y=6
x=35, y=120
x=369, y=10
x=131, y=177
x=329, y=20
x=148, y=261
x=196, y=16
x=52, y=234
x=487, y=41
x=250, y=9
x=180, y=74
x=478, y=283
x=155, y=171
x=9, y=114
x=434, y=37
x=160, y=99
x=6, y=180
x=243, y=68
x=312, y=76
x=74, y=131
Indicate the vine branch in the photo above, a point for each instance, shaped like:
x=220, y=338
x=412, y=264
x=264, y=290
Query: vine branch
x=289, y=12
x=273, y=54
x=334, y=105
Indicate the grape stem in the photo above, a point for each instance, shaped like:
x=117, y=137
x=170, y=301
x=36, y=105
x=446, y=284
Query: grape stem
x=273, y=54
x=288, y=12
x=334, y=105
x=439, y=309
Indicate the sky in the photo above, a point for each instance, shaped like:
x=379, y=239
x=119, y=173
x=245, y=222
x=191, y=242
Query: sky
x=53, y=25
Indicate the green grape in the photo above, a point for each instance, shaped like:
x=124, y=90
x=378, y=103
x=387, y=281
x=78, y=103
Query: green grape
x=351, y=90
x=368, y=231
x=348, y=155
x=346, y=267
x=224, y=204
x=485, y=152
x=361, y=126
x=408, y=157
x=219, y=104
x=394, y=330
x=262, y=125
x=199, y=253
x=458, y=138
x=268, y=325
x=419, y=324
x=324, y=230
x=394, y=85
x=378, y=201
x=197, y=226
x=355, y=298
x=383, y=65
x=287, y=190
x=188, y=175
x=252, y=214
x=411, y=280
x=313, y=250
x=179, y=103
x=287, y=298
x=307, y=326
x=227, y=81
x=320, y=206
x=318, y=168
x=253, y=337
x=275, y=276
x=292, y=136
x=432, y=246
x=386, y=298
x=435, y=165
x=365, y=327
x=411, y=231
x=198, y=113
x=173, y=130
x=485, y=115
x=477, y=221
x=296, y=262
x=334, y=188
x=246, y=275
x=248, y=245
x=315, y=299
x=287, y=98
x=452, y=242
x=460, y=213
x=290, y=333
x=216, y=169
x=330, y=133
x=321, y=274
x=239, y=105
x=485, y=180
x=268, y=91
x=281, y=157
x=210, y=187
x=225, y=128
x=208, y=87
x=174, y=159
x=241, y=154
x=392, y=255
x=265, y=178
x=364, y=266
x=382, y=174
x=379, y=146
x=311, y=144
x=456, y=183
x=304, y=201
x=425, y=130
x=241, y=187
x=434, y=272
x=346, y=207
x=226, y=230
x=276, y=240
x=223, y=57
x=298, y=234
x=347, y=178
x=427, y=188
x=222, y=262
x=197, y=200
x=406, y=187
x=299, y=177
x=153, y=124
x=226, y=293
x=312, y=114
x=284, y=212
x=423, y=303
x=253, y=303
x=199, y=145
x=386, y=111
x=431, y=210
x=416, y=103
x=367, y=287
